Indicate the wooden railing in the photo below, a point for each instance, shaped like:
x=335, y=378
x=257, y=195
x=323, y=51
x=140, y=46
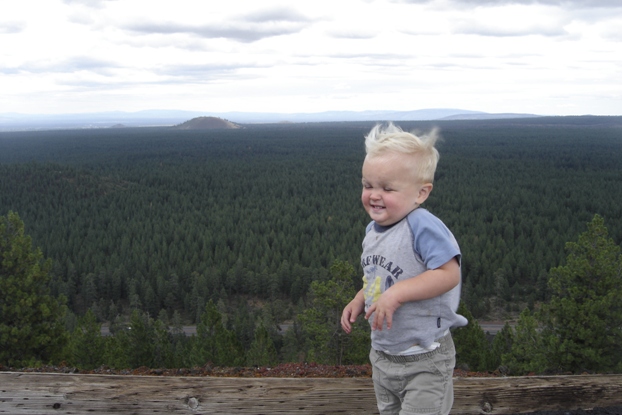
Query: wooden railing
x=51, y=393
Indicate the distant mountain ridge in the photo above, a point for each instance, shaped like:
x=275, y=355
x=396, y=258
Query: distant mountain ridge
x=487, y=116
x=16, y=121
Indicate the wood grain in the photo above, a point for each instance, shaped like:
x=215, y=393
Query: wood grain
x=49, y=393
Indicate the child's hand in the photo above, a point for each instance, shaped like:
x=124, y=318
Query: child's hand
x=384, y=308
x=426, y=285
x=350, y=313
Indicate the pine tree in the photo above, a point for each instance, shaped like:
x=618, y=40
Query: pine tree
x=583, y=320
x=327, y=343
x=86, y=344
x=502, y=345
x=116, y=345
x=526, y=355
x=472, y=346
x=164, y=347
x=262, y=351
x=214, y=343
x=141, y=340
x=31, y=320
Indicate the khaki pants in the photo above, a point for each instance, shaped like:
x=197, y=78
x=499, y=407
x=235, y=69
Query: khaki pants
x=417, y=384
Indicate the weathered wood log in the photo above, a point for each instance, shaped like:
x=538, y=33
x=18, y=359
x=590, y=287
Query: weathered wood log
x=45, y=393
x=513, y=395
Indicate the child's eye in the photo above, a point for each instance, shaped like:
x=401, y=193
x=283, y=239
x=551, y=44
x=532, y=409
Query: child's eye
x=387, y=189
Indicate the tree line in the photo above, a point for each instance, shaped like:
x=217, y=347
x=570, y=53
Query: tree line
x=578, y=330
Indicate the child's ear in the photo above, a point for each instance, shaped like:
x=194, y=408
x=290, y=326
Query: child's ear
x=424, y=192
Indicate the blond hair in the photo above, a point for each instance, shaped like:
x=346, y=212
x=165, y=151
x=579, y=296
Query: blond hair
x=391, y=138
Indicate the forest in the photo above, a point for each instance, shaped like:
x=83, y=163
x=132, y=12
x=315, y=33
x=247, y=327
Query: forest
x=170, y=222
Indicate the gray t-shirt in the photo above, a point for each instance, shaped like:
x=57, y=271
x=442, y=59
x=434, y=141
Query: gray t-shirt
x=417, y=243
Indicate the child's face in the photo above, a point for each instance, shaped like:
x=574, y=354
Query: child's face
x=390, y=190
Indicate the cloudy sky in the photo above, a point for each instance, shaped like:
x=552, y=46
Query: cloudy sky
x=532, y=56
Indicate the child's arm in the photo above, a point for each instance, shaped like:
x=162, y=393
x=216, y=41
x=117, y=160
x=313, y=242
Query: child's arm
x=429, y=284
x=352, y=311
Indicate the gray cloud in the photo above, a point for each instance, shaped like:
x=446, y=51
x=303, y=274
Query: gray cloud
x=239, y=32
x=11, y=27
x=469, y=27
x=247, y=28
x=275, y=15
x=84, y=63
x=93, y=4
x=387, y=59
x=203, y=71
x=73, y=64
x=560, y=3
x=351, y=34
x=612, y=33
x=9, y=70
x=81, y=18
x=92, y=86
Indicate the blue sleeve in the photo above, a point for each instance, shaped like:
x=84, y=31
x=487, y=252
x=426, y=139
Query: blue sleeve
x=432, y=240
